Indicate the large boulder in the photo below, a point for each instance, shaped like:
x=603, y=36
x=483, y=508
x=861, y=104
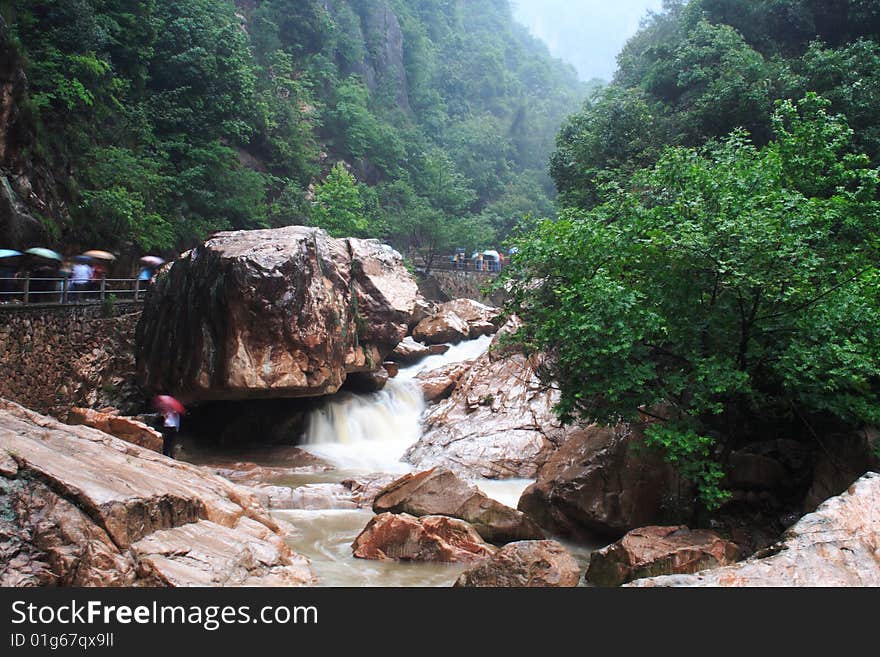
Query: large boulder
x=125, y=428
x=652, y=551
x=458, y=320
x=410, y=352
x=403, y=537
x=277, y=313
x=481, y=319
x=497, y=423
x=83, y=508
x=443, y=327
x=440, y=492
x=838, y=545
x=525, y=564
x=602, y=481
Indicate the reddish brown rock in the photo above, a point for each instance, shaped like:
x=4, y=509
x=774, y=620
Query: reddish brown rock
x=474, y=312
x=836, y=469
x=277, y=313
x=438, y=384
x=525, y=564
x=604, y=481
x=85, y=508
x=392, y=368
x=838, y=545
x=422, y=309
x=440, y=492
x=124, y=428
x=444, y=327
x=404, y=537
x=653, y=551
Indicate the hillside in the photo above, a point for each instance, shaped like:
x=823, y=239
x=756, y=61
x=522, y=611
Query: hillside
x=145, y=125
x=698, y=70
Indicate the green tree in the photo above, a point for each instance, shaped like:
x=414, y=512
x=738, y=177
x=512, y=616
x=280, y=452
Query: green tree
x=733, y=288
x=339, y=205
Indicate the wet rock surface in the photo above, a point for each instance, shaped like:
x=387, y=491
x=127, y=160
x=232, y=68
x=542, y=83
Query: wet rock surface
x=438, y=384
x=125, y=428
x=84, y=508
x=653, y=551
x=403, y=537
x=602, y=481
x=525, y=564
x=277, y=313
x=497, y=423
x=348, y=494
x=837, y=545
x=444, y=327
x=441, y=492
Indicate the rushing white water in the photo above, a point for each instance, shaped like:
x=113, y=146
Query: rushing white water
x=370, y=433
x=364, y=434
x=467, y=350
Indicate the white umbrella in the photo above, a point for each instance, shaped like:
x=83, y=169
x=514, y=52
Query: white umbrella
x=492, y=254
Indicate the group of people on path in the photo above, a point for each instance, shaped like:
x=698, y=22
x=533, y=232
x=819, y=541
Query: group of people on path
x=41, y=275
x=491, y=261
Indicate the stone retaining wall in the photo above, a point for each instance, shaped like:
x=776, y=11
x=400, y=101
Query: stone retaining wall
x=447, y=285
x=55, y=358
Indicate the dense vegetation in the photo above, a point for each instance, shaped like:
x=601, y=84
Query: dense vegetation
x=168, y=120
x=716, y=262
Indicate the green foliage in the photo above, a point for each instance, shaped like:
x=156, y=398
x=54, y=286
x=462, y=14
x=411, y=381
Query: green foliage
x=693, y=456
x=169, y=120
x=339, y=206
x=731, y=285
x=698, y=70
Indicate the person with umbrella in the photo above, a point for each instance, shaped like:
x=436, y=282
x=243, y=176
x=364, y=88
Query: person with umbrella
x=171, y=409
x=81, y=277
x=43, y=267
x=149, y=266
x=10, y=261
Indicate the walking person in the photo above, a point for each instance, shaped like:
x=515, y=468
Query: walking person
x=170, y=409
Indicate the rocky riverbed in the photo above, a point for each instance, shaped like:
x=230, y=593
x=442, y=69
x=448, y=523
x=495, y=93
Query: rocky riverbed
x=345, y=431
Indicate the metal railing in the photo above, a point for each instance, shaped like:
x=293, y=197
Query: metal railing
x=38, y=291
x=466, y=266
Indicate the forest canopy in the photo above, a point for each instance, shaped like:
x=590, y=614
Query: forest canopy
x=165, y=121
x=715, y=263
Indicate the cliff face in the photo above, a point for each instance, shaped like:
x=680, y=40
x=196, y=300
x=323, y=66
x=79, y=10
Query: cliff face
x=384, y=61
x=22, y=186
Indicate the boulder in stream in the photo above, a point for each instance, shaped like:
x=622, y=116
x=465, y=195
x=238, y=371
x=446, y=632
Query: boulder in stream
x=443, y=327
x=280, y=313
x=525, y=564
x=440, y=492
x=653, y=551
x=837, y=545
x=403, y=537
x=498, y=421
x=439, y=383
x=603, y=481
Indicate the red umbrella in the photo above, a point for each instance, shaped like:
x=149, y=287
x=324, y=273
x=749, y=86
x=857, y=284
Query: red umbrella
x=168, y=403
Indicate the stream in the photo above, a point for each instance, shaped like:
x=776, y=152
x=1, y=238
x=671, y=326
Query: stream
x=364, y=435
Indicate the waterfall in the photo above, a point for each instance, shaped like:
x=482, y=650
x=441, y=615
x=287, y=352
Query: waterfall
x=370, y=433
